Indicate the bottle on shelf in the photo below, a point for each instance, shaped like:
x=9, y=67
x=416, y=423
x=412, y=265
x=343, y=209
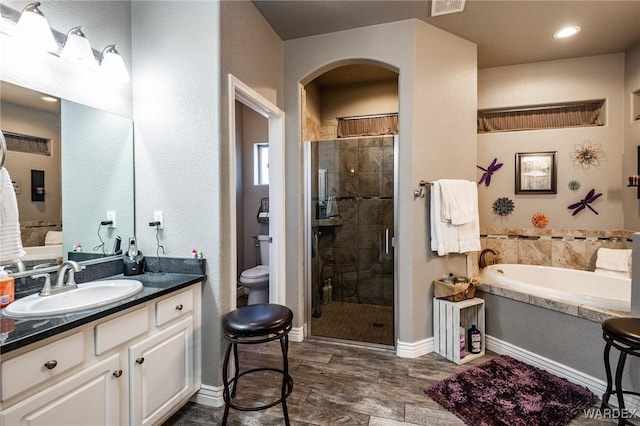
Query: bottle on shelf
x=475, y=340
x=463, y=352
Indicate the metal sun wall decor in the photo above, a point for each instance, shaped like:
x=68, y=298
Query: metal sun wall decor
x=574, y=185
x=489, y=171
x=587, y=155
x=585, y=203
x=540, y=220
x=503, y=206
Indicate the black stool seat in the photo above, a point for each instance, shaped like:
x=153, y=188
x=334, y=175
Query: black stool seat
x=626, y=330
x=250, y=325
x=624, y=335
x=257, y=320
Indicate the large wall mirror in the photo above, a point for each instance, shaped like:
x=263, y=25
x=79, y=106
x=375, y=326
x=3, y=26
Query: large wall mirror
x=71, y=166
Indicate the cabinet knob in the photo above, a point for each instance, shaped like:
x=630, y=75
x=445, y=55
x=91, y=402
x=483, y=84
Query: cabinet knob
x=117, y=373
x=179, y=307
x=51, y=364
x=140, y=360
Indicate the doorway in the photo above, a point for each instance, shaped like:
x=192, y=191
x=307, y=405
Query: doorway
x=240, y=92
x=350, y=187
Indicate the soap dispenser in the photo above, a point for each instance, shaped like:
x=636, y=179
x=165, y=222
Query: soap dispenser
x=7, y=289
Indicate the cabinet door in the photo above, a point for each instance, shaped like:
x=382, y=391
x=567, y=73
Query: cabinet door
x=161, y=370
x=90, y=397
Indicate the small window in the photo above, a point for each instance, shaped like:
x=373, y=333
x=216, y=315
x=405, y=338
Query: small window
x=579, y=114
x=261, y=163
x=26, y=143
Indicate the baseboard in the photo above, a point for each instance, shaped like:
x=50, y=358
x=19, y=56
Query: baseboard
x=296, y=334
x=415, y=349
x=595, y=385
x=209, y=395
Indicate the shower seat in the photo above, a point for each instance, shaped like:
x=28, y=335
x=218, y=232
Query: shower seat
x=338, y=269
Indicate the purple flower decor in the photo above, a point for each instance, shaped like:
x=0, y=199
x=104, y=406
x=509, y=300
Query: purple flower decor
x=490, y=170
x=584, y=203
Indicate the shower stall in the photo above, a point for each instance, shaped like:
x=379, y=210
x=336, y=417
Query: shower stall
x=350, y=215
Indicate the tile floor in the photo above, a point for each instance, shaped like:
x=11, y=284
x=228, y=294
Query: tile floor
x=340, y=384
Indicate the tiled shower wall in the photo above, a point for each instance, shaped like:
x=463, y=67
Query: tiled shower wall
x=563, y=248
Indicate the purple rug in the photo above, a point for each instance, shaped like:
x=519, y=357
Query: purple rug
x=505, y=391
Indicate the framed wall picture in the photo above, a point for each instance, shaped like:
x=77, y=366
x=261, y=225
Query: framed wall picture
x=536, y=173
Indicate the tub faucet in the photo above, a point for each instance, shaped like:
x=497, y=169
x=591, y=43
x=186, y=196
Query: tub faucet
x=482, y=260
x=69, y=268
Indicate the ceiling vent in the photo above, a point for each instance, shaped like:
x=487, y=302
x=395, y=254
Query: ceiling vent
x=444, y=7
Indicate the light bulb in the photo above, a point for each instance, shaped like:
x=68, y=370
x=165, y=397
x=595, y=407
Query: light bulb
x=77, y=49
x=112, y=65
x=33, y=30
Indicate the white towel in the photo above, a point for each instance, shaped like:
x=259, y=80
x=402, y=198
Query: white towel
x=332, y=206
x=613, y=259
x=459, y=201
x=447, y=237
x=10, y=240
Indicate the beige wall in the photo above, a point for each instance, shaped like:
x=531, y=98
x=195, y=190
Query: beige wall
x=631, y=137
x=358, y=99
x=45, y=125
x=597, y=77
x=439, y=82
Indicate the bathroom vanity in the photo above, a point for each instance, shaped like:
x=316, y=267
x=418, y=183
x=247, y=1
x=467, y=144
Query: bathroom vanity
x=134, y=362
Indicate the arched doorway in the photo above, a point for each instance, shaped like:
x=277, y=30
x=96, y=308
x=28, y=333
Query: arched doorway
x=350, y=125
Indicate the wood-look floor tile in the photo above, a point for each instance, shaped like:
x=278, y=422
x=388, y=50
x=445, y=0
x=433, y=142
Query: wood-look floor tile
x=340, y=384
x=430, y=415
x=360, y=404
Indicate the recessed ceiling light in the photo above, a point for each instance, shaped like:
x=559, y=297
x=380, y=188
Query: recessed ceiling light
x=48, y=99
x=567, y=32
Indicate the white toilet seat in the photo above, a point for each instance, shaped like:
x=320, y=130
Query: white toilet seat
x=255, y=275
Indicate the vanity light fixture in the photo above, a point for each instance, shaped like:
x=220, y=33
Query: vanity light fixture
x=33, y=30
x=77, y=49
x=112, y=64
x=567, y=32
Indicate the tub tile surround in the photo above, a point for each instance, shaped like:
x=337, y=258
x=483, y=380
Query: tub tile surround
x=34, y=232
x=562, y=248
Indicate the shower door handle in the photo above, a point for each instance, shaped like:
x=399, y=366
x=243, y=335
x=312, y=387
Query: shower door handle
x=386, y=241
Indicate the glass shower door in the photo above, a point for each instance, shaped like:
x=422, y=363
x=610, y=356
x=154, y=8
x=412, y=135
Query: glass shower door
x=351, y=214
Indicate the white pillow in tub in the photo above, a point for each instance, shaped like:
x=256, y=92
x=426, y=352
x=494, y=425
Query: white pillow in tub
x=53, y=238
x=613, y=259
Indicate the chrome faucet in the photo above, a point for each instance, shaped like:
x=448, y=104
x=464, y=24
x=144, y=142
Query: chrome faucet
x=69, y=268
x=482, y=260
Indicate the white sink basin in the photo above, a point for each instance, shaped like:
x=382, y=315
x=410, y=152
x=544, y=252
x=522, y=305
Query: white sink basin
x=86, y=296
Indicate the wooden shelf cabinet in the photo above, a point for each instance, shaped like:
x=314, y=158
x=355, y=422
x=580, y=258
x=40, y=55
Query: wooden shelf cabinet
x=447, y=319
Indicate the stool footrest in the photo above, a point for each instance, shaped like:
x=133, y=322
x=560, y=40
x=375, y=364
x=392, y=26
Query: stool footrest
x=261, y=407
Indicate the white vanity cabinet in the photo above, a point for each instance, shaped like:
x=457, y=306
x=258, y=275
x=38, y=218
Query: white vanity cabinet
x=134, y=367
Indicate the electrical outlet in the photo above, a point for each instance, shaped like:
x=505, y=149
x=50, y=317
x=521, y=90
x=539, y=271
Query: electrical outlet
x=158, y=216
x=111, y=215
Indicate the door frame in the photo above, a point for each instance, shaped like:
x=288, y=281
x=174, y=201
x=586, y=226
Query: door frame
x=241, y=92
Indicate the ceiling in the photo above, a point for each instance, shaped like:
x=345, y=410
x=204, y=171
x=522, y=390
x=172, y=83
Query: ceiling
x=506, y=32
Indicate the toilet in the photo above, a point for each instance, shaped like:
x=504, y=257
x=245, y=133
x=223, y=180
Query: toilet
x=256, y=279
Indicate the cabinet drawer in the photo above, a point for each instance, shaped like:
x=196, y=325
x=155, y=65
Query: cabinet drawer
x=38, y=365
x=118, y=330
x=174, y=306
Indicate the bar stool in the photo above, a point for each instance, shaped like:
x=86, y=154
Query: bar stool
x=624, y=335
x=250, y=325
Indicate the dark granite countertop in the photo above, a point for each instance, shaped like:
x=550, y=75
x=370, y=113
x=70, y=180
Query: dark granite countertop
x=181, y=273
